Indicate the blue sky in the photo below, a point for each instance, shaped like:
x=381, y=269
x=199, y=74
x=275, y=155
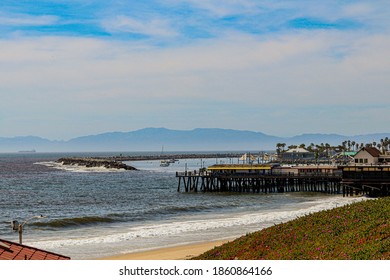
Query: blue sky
x=72, y=68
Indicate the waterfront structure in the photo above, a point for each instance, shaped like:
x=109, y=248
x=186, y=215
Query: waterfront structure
x=297, y=155
x=372, y=180
x=308, y=169
x=343, y=158
x=256, y=178
x=247, y=159
x=370, y=156
x=242, y=168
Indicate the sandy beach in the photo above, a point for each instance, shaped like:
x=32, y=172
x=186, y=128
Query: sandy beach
x=183, y=252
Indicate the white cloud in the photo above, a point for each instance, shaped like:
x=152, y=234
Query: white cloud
x=27, y=20
x=69, y=78
x=283, y=69
x=225, y=8
x=358, y=9
x=152, y=27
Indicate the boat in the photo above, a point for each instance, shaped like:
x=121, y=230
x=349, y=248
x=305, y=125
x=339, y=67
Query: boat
x=164, y=163
x=27, y=151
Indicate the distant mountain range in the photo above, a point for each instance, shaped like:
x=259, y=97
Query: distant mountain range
x=154, y=139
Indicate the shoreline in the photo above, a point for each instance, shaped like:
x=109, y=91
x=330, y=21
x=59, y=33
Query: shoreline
x=179, y=252
x=191, y=245
x=190, y=250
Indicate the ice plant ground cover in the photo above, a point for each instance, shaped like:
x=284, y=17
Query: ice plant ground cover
x=358, y=231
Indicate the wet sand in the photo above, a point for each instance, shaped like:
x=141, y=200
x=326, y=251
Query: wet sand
x=182, y=252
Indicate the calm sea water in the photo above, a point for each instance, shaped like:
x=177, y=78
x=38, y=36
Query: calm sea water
x=97, y=212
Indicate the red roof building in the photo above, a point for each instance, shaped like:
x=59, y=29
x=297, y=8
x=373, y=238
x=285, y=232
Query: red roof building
x=15, y=251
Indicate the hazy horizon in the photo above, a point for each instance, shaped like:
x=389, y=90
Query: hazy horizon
x=189, y=130
x=154, y=139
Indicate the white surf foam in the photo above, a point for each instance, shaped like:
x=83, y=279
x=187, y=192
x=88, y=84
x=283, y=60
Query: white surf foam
x=77, y=168
x=223, y=226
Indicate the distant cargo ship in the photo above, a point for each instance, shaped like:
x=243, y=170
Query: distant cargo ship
x=28, y=151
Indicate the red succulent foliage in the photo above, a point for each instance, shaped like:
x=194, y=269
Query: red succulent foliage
x=359, y=231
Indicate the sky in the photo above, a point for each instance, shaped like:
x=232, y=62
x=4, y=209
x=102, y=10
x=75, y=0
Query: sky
x=79, y=67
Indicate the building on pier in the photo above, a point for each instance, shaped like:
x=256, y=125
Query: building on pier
x=368, y=173
x=297, y=155
x=370, y=156
x=242, y=168
x=308, y=169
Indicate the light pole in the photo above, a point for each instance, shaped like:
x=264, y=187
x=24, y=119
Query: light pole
x=19, y=227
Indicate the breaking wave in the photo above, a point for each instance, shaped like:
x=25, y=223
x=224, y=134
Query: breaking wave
x=73, y=222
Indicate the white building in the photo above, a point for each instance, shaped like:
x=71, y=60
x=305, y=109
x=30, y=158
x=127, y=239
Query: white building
x=298, y=154
x=369, y=156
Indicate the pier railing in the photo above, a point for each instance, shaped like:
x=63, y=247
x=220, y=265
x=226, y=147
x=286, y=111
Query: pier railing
x=193, y=173
x=258, y=175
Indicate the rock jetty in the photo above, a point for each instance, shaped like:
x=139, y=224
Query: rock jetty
x=173, y=156
x=95, y=162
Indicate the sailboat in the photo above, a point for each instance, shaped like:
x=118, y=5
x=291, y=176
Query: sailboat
x=164, y=163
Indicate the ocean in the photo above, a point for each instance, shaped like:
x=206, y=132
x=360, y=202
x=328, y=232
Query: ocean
x=93, y=213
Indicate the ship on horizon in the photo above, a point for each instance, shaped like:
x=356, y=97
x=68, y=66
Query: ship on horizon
x=28, y=151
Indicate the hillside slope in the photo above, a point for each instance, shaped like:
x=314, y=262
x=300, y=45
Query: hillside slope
x=359, y=231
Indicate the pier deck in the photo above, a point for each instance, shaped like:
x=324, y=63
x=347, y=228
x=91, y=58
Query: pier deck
x=372, y=181
x=258, y=183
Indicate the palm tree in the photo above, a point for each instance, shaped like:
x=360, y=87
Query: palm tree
x=280, y=147
x=344, y=144
x=327, y=148
x=310, y=148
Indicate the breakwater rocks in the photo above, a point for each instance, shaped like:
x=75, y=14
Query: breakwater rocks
x=173, y=156
x=117, y=161
x=96, y=162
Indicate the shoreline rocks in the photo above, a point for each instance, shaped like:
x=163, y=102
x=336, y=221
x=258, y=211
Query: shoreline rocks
x=93, y=162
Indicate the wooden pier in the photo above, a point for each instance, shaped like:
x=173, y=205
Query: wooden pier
x=258, y=183
x=370, y=180
x=260, y=178
x=349, y=181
